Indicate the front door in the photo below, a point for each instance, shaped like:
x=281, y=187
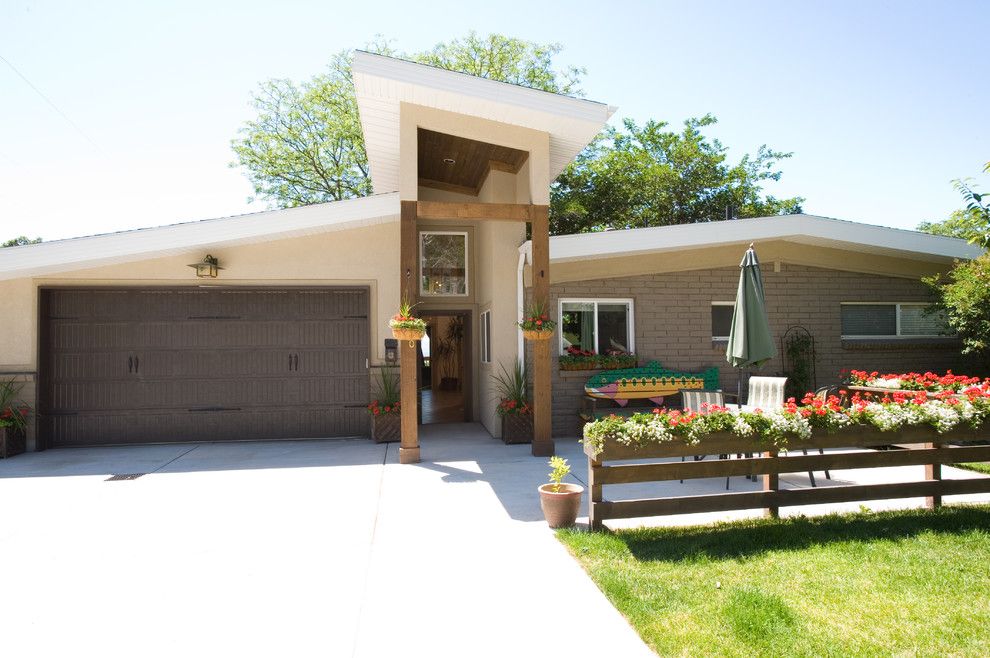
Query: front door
x=444, y=368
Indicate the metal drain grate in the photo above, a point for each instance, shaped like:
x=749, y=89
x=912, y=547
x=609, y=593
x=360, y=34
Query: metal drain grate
x=123, y=476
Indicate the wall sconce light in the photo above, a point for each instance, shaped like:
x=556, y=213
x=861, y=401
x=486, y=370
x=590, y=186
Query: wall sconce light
x=391, y=351
x=207, y=268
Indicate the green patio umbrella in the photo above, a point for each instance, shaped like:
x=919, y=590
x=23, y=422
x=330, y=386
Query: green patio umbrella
x=750, y=340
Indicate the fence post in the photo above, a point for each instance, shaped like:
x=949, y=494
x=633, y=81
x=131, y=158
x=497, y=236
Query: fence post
x=933, y=471
x=594, y=494
x=771, y=482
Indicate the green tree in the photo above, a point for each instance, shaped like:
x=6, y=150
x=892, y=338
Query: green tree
x=963, y=295
x=305, y=145
x=963, y=224
x=20, y=241
x=649, y=176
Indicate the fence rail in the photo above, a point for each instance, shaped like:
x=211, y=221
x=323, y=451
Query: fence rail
x=921, y=446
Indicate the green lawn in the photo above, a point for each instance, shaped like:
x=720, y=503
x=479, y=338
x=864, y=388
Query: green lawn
x=913, y=583
x=979, y=467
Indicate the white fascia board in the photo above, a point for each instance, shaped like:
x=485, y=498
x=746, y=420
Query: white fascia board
x=141, y=244
x=805, y=229
x=382, y=83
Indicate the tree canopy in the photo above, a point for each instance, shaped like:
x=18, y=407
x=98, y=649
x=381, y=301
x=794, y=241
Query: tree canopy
x=650, y=176
x=306, y=146
x=20, y=241
x=971, y=223
x=963, y=295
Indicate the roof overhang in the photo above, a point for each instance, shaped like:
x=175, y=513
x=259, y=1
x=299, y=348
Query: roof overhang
x=130, y=246
x=800, y=229
x=383, y=83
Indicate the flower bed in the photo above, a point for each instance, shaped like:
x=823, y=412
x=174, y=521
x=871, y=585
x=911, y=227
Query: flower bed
x=578, y=359
x=913, y=381
x=942, y=411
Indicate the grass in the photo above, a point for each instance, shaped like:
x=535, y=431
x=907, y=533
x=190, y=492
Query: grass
x=912, y=583
x=979, y=467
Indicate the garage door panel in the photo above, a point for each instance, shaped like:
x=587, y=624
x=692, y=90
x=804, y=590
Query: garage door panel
x=154, y=365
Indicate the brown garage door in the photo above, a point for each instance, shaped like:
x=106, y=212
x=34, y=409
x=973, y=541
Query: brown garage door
x=202, y=364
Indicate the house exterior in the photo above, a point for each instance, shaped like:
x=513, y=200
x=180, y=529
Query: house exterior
x=118, y=340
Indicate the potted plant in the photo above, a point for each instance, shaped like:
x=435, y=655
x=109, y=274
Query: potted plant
x=385, y=411
x=13, y=420
x=405, y=326
x=537, y=325
x=513, y=407
x=560, y=501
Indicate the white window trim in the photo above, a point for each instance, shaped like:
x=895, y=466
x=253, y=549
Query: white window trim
x=467, y=264
x=710, y=317
x=897, y=320
x=631, y=324
x=486, y=338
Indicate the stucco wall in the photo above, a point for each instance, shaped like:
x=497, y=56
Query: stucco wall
x=673, y=324
x=367, y=256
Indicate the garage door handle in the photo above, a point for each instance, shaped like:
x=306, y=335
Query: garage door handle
x=297, y=363
x=130, y=364
x=137, y=363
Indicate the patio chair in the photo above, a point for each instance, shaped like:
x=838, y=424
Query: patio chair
x=768, y=393
x=695, y=400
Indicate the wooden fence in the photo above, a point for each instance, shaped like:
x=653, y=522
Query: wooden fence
x=922, y=446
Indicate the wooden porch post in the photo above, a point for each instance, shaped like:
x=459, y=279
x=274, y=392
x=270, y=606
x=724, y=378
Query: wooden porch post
x=408, y=274
x=933, y=472
x=540, y=232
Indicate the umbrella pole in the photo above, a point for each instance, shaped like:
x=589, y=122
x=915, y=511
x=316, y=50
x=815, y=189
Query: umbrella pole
x=739, y=389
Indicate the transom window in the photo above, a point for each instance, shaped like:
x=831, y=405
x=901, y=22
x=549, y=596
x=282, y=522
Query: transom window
x=721, y=320
x=443, y=259
x=596, y=325
x=869, y=320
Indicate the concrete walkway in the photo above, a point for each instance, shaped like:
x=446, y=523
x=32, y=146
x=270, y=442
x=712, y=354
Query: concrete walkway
x=315, y=548
x=308, y=548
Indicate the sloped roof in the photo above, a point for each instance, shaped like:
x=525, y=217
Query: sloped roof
x=382, y=83
x=140, y=244
x=801, y=229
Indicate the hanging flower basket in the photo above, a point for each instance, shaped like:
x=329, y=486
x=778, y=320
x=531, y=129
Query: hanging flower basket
x=405, y=326
x=537, y=334
x=408, y=333
x=537, y=325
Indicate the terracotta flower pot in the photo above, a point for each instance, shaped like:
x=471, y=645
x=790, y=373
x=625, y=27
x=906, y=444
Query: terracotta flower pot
x=537, y=334
x=561, y=508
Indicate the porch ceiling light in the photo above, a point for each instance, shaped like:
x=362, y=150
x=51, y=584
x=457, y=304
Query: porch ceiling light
x=208, y=268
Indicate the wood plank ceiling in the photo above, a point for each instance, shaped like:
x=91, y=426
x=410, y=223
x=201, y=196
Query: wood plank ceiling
x=458, y=164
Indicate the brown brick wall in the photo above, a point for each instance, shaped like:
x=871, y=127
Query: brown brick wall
x=673, y=325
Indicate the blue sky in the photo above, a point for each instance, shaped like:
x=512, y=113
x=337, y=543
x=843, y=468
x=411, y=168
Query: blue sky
x=882, y=103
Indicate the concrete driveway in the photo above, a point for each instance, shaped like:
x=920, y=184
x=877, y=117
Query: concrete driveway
x=305, y=548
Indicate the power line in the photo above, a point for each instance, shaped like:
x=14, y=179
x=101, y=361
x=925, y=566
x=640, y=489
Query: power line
x=53, y=105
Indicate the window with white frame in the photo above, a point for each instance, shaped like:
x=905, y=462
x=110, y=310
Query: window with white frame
x=596, y=325
x=443, y=263
x=486, y=337
x=722, y=320
x=890, y=320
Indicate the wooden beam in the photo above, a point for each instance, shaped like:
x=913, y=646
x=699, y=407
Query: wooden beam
x=409, y=445
x=446, y=210
x=720, y=468
x=771, y=484
x=448, y=187
x=542, y=421
x=724, y=502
